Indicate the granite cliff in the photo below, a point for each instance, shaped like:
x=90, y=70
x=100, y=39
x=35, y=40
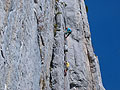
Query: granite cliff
x=33, y=48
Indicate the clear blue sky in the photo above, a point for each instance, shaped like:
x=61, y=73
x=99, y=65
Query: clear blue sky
x=104, y=20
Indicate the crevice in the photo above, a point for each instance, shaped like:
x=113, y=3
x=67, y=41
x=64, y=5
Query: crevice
x=36, y=1
x=42, y=40
x=50, y=80
x=38, y=39
x=40, y=8
x=2, y=54
x=35, y=15
x=72, y=85
x=37, y=20
x=65, y=21
x=55, y=25
x=40, y=28
x=80, y=6
x=51, y=67
x=76, y=39
x=39, y=36
x=51, y=63
x=55, y=19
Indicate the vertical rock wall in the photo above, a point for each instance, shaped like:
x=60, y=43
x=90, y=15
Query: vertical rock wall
x=33, y=47
x=84, y=67
x=20, y=56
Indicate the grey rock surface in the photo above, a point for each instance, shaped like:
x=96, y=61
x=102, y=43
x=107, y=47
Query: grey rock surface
x=33, y=48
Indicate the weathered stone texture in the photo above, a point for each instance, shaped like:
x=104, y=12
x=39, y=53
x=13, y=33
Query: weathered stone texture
x=33, y=48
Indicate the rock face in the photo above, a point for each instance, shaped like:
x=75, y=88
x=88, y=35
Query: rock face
x=33, y=48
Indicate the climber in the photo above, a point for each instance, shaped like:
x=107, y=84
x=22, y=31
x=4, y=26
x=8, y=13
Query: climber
x=66, y=63
x=68, y=31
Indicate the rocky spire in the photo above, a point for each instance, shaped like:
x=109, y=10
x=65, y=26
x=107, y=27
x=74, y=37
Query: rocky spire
x=33, y=48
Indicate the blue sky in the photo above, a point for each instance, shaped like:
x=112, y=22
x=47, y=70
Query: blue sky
x=104, y=20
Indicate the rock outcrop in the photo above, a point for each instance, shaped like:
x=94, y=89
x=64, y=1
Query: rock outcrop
x=33, y=48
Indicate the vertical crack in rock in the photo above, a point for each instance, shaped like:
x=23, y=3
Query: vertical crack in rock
x=51, y=67
x=33, y=48
x=2, y=54
x=57, y=62
x=41, y=46
x=39, y=37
